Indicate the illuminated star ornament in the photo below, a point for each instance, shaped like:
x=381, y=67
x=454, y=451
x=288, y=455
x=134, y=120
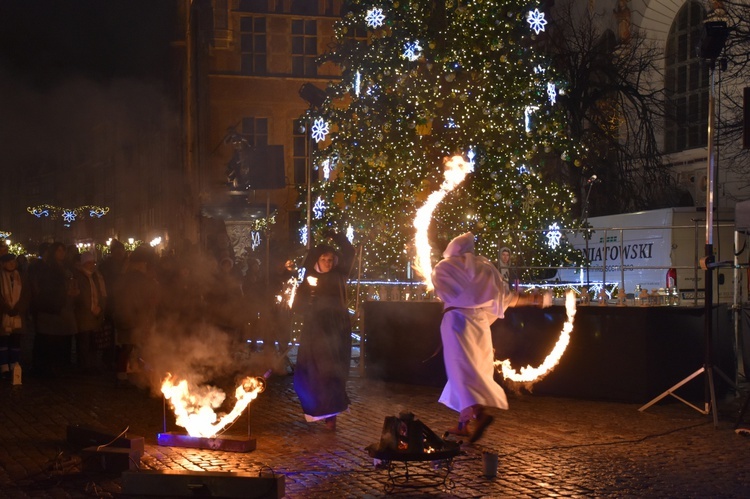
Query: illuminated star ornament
x=375, y=18
x=536, y=21
x=553, y=236
x=319, y=208
x=551, y=92
x=69, y=216
x=412, y=51
x=319, y=130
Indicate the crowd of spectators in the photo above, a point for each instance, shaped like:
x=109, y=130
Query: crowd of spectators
x=87, y=313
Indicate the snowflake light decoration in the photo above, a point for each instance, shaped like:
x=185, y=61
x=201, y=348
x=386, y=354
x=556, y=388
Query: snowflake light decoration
x=254, y=240
x=553, y=236
x=69, y=216
x=471, y=155
x=319, y=129
x=375, y=17
x=357, y=83
x=538, y=69
x=303, y=236
x=412, y=51
x=319, y=208
x=551, y=92
x=536, y=21
x=350, y=234
x=527, y=116
x=327, y=169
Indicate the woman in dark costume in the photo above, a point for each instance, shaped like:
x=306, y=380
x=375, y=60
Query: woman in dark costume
x=324, y=353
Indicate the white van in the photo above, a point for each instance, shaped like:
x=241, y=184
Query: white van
x=655, y=249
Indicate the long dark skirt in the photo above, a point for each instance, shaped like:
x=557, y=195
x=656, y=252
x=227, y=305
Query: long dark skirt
x=323, y=363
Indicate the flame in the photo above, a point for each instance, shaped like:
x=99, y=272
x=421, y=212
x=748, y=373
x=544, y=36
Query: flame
x=531, y=374
x=456, y=170
x=194, y=410
x=290, y=291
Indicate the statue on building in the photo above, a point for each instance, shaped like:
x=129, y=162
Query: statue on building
x=622, y=14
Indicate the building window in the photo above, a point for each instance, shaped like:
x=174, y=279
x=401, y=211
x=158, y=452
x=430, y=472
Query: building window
x=304, y=47
x=686, y=82
x=253, y=6
x=299, y=151
x=305, y=7
x=253, y=45
x=255, y=131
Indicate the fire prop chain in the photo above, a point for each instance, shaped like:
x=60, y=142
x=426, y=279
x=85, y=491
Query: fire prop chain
x=530, y=375
x=456, y=169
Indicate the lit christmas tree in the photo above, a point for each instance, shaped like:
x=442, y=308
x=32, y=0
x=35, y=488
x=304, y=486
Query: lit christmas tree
x=425, y=80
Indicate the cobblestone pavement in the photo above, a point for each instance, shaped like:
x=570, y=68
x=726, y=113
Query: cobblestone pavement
x=547, y=446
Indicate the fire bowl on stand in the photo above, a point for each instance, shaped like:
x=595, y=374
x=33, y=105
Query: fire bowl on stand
x=425, y=459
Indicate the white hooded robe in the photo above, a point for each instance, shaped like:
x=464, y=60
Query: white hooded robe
x=474, y=287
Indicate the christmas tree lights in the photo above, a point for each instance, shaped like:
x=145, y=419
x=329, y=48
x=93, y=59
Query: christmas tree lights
x=428, y=84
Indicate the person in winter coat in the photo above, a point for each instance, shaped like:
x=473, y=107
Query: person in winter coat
x=15, y=296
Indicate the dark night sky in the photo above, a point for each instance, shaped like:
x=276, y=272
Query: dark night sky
x=45, y=41
x=66, y=63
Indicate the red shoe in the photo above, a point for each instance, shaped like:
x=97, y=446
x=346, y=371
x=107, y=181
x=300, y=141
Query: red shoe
x=460, y=430
x=331, y=423
x=483, y=421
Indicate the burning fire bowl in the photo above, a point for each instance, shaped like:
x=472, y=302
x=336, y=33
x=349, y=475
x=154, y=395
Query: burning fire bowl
x=405, y=438
x=225, y=443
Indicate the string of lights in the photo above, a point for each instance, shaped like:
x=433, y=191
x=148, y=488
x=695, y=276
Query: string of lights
x=418, y=89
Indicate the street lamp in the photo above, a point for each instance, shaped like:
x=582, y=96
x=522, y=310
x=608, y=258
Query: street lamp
x=715, y=36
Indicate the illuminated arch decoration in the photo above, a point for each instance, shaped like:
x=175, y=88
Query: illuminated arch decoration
x=42, y=210
x=68, y=215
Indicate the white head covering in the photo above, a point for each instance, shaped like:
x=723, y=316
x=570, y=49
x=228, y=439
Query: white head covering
x=466, y=280
x=460, y=245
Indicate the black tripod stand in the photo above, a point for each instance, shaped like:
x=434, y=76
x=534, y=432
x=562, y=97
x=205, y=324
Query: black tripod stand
x=715, y=35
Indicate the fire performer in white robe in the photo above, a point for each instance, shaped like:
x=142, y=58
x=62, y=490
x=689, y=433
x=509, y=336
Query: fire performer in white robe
x=472, y=290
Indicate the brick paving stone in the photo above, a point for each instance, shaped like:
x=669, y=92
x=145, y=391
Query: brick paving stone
x=547, y=446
